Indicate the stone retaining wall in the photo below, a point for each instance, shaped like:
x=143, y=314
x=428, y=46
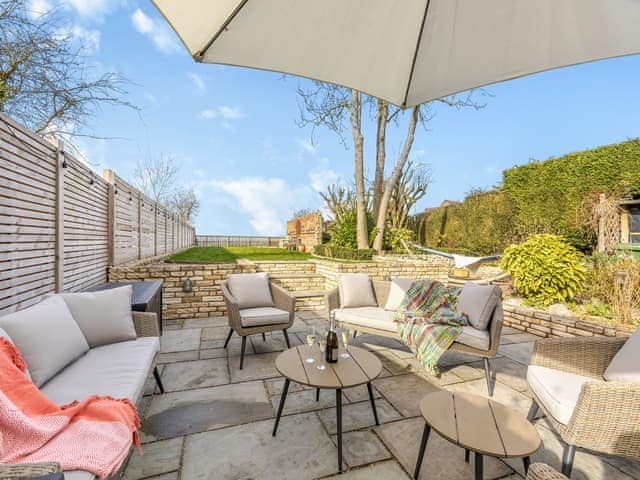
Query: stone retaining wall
x=546, y=324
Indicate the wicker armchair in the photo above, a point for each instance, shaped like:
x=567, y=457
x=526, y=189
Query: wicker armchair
x=542, y=471
x=147, y=325
x=282, y=301
x=606, y=417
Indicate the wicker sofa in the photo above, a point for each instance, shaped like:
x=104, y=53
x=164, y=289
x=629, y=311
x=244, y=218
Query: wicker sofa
x=568, y=378
x=112, y=362
x=378, y=321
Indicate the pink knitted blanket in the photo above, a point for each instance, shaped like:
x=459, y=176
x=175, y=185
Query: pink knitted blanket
x=94, y=434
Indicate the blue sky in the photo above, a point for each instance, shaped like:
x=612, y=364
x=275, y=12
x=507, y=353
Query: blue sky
x=233, y=131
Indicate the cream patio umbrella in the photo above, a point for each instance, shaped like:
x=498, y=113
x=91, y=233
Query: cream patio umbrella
x=405, y=51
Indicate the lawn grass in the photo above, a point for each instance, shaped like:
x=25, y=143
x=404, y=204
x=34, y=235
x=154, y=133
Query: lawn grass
x=231, y=254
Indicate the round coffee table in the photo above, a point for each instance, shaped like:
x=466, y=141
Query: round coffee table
x=477, y=424
x=359, y=369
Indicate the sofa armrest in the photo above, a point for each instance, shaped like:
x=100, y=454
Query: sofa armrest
x=28, y=470
x=588, y=356
x=282, y=299
x=542, y=471
x=233, y=310
x=332, y=300
x=607, y=419
x=146, y=324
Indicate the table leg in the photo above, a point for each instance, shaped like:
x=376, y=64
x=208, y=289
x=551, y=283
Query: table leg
x=339, y=423
x=317, y=394
x=423, y=446
x=479, y=468
x=283, y=397
x=466, y=455
x=373, y=403
x=526, y=461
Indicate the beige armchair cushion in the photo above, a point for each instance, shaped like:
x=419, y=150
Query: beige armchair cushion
x=479, y=302
x=256, y=317
x=104, y=317
x=371, y=317
x=250, y=289
x=356, y=290
x=47, y=336
x=625, y=366
x=472, y=337
x=398, y=288
x=558, y=391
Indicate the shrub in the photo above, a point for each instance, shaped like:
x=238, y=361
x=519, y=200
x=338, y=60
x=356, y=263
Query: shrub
x=394, y=236
x=344, y=229
x=614, y=281
x=545, y=269
x=334, y=251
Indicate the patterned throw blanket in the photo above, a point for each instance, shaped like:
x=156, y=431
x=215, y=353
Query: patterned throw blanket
x=95, y=434
x=428, y=322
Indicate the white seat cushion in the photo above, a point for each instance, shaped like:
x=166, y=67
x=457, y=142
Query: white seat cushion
x=475, y=338
x=256, y=317
x=625, y=366
x=119, y=370
x=47, y=336
x=104, y=317
x=398, y=289
x=558, y=391
x=371, y=317
x=250, y=290
x=356, y=290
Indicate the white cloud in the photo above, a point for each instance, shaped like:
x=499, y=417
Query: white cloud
x=158, y=32
x=94, y=9
x=230, y=113
x=207, y=114
x=322, y=176
x=307, y=145
x=90, y=39
x=198, y=81
x=268, y=202
x=37, y=8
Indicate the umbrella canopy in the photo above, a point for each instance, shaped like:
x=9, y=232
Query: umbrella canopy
x=405, y=51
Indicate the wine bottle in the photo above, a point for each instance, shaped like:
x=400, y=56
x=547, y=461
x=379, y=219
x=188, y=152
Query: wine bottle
x=332, y=341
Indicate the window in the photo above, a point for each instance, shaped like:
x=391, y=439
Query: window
x=634, y=224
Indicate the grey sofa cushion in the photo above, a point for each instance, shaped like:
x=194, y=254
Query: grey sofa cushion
x=479, y=302
x=371, y=317
x=356, y=290
x=398, y=288
x=625, y=365
x=119, y=370
x=47, y=336
x=104, y=317
x=472, y=337
x=255, y=317
x=250, y=289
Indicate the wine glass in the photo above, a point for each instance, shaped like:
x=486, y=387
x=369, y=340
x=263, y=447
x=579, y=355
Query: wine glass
x=345, y=342
x=322, y=344
x=311, y=339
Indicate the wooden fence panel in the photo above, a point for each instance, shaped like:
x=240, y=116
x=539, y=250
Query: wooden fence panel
x=61, y=225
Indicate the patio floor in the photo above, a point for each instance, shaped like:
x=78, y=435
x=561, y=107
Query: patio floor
x=215, y=420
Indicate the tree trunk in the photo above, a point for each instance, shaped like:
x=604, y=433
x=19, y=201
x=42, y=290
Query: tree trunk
x=358, y=150
x=383, y=118
x=392, y=181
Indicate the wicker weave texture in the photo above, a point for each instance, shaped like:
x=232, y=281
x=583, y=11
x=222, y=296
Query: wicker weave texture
x=146, y=324
x=27, y=470
x=542, y=471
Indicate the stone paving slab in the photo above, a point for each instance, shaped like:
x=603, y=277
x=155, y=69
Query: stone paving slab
x=442, y=460
x=301, y=450
x=362, y=447
x=358, y=415
x=520, y=352
x=158, y=458
x=180, y=340
x=256, y=367
x=389, y=470
x=196, y=374
x=405, y=392
x=274, y=342
x=305, y=401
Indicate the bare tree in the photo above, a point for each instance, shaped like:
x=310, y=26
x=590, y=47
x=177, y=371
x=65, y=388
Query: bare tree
x=157, y=177
x=338, y=200
x=412, y=186
x=185, y=202
x=45, y=80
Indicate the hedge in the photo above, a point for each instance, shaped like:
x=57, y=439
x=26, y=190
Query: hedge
x=343, y=253
x=549, y=196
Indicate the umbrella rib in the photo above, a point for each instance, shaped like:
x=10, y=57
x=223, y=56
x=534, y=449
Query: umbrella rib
x=415, y=53
x=200, y=53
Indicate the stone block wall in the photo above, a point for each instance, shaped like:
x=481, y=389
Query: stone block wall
x=544, y=324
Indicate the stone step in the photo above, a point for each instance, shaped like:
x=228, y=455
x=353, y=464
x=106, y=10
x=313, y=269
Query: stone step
x=309, y=300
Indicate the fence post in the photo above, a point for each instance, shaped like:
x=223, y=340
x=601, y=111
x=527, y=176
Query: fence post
x=110, y=177
x=60, y=173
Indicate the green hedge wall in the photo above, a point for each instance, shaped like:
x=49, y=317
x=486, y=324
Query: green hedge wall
x=547, y=196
